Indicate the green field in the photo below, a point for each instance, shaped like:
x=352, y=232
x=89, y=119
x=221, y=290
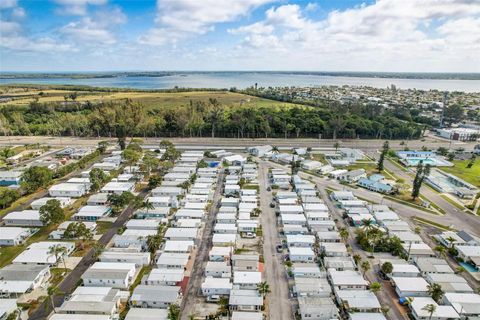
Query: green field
x=471, y=175
x=23, y=96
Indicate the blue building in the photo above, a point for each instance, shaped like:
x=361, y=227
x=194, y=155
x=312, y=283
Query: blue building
x=376, y=186
x=10, y=178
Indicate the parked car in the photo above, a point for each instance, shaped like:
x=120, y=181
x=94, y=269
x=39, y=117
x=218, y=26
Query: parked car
x=279, y=248
x=249, y=235
x=272, y=204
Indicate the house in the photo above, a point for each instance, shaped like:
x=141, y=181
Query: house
x=470, y=254
x=98, y=199
x=177, y=246
x=146, y=314
x=39, y=253
x=172, y=260
x=110, y=274
x=216, y=286
x=188, y=223
x=410, y=286
x=328, y=236
x=352, y=176
x=143, y=224
x=164, y=277
x=247, y=279
x=160, y=297
x=218, y=269
x=219, y=239
x=311, y=165
x=138, y=258
x=245, y=225
x=85, y=181
x=91, y=213
x=91, y=301
x=25, y=218
x=181, y=234
x=420, y=312
x=333, y=249
x=245, y=300
x=17, y=279
x=7, y=307
x=358, y=300
x=417, y=250
x=432, y=265
x=118, y=187
x=64, y=202
x=296, y=219
x=62, y=227
x=404, y=270
x=375, y=186
x=366, y=316
x=347, y=280
x=312, y=287
x=317, y=308
x=245, y=262
x=339, y=263
x=163, y=202
x=225, y=228
x=465, y=304
x=237, y=315
x=449, y=282
x=407, y=237
x=156, y=213
x=306, y=270
x=260, y=151
x=13, y=236
x=106, y=166
x=73, y=190
x=10, y=178
x=300, y=240
x=342, y=195
x=299, y=254
x=218, y=253
x=295, y=229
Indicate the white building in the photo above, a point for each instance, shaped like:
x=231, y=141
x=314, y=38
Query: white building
x=110, y=274
x=74, y=190
x=13, y=236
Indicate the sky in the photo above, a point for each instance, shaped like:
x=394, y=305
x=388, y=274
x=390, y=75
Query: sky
x=322, y=35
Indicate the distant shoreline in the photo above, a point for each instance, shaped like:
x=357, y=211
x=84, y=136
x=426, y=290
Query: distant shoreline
x=120, y=74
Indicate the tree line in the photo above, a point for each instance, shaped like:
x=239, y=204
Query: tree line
x=127, y=118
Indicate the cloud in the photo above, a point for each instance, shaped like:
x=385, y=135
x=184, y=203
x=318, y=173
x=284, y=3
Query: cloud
x=76, y=7
x=6, y=4
x=180, y=19
x=96, y=29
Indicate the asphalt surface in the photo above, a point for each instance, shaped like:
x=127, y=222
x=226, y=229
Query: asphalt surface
x=71, y=281
x=201, y=258
x=236, y=144
x=279, y=305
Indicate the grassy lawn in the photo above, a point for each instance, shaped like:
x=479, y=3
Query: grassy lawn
x=460, y=170
x=452, y=202
x=149, y=99
x=58, y=274
x=432, y=223
x=103, y=226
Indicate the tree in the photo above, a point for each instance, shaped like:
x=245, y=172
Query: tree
x=344, y=234
x=375, y=287
x=51, y=292
x=387, y=267
x=442, y=151
x=78, y=230
x=440, y=251
x=102, y=146
x=7, y=197
x=461, y=269
x=336, y=145
x=143, y=204
x=223, y=305
x=120, y=201
x=367, y=226
x=384, y=152
x=263, y=288
x=430, y=308
x=35, y=178
x=365, y=266
x=58, y=251
x=435, y=291
x=154, y=181
x=472, y=161
x=149, y=162
x=97, y=179
x=357, y=258
x=131, y=156
x=451, y=240
x=422, y=173
x=173, y=312
x=51, y=212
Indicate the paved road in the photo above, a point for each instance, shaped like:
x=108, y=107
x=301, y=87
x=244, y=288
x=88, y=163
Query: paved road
x=228, y=143
x=68, y=285
x=201, y=258
x=279, y=305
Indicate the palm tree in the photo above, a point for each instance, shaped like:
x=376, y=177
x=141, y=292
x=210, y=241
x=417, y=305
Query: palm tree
x=461, y=269
x=223, y=304
x=451, y=240
x=440, y=250
x=173, y=312
x=375, y=287
x=387, y=267
x=417, y=230
x=51, y=292
x=344, y=234
x=58, y=251
x=430, y=308
x=357, y=258
x=263, y=288
x=336, y=145
x=274, y=149
x=367, y=226
x=147, y=205
x=435, y=291
x=365, y=266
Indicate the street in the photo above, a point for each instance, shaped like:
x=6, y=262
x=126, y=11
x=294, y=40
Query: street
x=279, y=305
x=201, y=258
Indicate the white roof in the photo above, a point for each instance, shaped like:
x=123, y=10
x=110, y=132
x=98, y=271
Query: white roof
x=301, y=251
x=238, y=315
x=346, y=277
x=68, y=187
x=410, y=284
x=23, y=215
x=441, y=312
x=220, y=251
x=224, y=238
x=92, y=211
x=118, y=186
x=174, y=245
x=247, y=277
x=146, y=314
x=12, y=233
x=217, y=283
x=359, y=298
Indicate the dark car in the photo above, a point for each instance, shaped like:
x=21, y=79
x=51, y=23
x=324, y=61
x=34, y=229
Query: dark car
x=269, y=189
x=272, y=204
x=279, y=248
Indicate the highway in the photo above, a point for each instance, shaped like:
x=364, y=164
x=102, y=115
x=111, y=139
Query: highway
x=240, y=144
